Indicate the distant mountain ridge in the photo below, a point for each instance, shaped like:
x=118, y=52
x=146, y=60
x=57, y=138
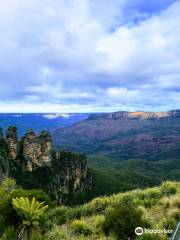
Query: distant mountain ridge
x=137, y=114
x=39, y=121
x=123, y=134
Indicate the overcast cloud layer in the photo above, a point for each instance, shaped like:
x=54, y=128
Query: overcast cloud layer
x=89, y=55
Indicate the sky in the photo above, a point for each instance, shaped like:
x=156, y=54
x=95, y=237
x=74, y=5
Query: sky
x=89, y=55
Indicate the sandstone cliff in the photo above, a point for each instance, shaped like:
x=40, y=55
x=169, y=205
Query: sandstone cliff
x=144, y=115
x=36, y=150
x=12, y=142
x=33, y=163
x=46, y=147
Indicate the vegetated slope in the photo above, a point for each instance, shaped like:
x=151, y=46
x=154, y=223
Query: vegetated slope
x=122, y=137
x=111, y=177
x=126, y=152
x=158, y=207
x=114, y=218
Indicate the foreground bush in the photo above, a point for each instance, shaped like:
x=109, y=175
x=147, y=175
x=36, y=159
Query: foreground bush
x=30, y=211
x=80, y=227
x=56, y=233
x=9, y=234
x=122, y=220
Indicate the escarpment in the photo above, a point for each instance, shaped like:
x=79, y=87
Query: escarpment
x=33, y=163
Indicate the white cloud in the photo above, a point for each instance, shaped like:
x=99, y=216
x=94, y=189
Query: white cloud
x=147, y=49
x=83, y=55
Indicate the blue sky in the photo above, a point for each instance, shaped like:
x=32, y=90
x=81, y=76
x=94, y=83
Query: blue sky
x=89, y=55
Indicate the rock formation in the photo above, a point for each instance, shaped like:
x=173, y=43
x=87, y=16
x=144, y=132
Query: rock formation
x=31, y=149
x=12, y=142
x=144, y=115
x=69, y=175
x=46, y=147
x=61, y=173
x=136, y=115
x=36, y=150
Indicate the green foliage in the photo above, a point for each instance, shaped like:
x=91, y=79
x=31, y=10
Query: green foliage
x=98, y=205
x=112, y=175
x=9, y=234
x=30, y=211
x=169, y=188
x=8, y=191
x=6, y=187
x=122, y=220
x=116, y=216
x=58, y=214
x=80, y=227
x=56, y=233
x=147, y=236
x=6, y=210
x=39, y=194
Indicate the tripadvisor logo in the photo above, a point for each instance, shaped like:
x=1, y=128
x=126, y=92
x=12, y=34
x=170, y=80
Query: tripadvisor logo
x=139, y=231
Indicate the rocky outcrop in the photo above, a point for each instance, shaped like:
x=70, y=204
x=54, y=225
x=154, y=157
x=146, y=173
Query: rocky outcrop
x=36, y=150
x=46, y=147
x=12, y=142
x=31, y=150
x=62, y=174
x=69, y=175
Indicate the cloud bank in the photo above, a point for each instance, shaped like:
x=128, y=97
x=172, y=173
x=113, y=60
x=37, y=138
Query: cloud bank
x=89, y=55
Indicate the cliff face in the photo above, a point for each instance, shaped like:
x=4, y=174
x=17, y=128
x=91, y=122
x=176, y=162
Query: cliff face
x=12, y=142
x=121, y=115
x=36, y=149
x=144, y=115
x=69, y=175
x=61, y=173
x=31, y=150
x=46, y=147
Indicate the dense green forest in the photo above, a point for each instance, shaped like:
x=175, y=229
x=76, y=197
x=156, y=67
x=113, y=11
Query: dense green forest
x=112, y=176
x=31, y=215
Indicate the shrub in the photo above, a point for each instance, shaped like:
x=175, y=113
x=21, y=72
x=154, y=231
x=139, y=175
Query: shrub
x=98, y=220
x=147, y=236
x=165, y=203
x=6, y=209
x=128, y=199
x=169, y=188
x=80, y=227
x=56, y=233
x=122, y=220
x=152, y=197
x=168, y=223
x=57, y=215
x=175, y=200
x=39, y=194
x=9, y=234
x=98, y=205
x=30, y=212
x=75, y=213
